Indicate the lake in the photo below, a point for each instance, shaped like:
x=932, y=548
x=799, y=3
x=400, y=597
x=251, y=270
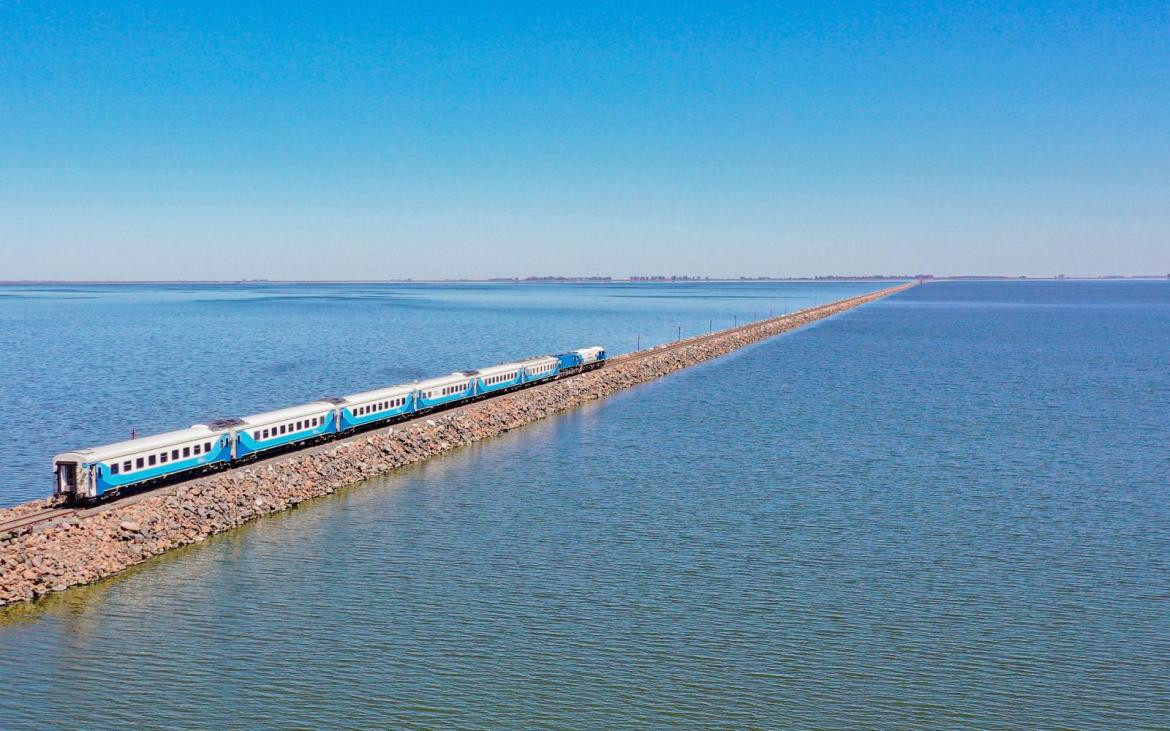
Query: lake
x=945, y=509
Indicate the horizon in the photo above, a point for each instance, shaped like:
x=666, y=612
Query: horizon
x=603, y=279
x=389, y=142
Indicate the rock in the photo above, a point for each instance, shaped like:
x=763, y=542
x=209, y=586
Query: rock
x=94, y=548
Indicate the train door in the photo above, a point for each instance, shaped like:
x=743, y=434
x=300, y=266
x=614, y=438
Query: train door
x=66, y=478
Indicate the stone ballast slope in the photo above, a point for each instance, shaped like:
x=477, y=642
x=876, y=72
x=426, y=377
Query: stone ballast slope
x=92, y=545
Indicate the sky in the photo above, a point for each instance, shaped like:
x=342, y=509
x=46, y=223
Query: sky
x=433, y=140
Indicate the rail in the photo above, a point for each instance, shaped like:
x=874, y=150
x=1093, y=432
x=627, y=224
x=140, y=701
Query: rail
x=30, y=520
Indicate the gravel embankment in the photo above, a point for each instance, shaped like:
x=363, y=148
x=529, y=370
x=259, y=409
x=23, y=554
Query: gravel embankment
x=85, y=548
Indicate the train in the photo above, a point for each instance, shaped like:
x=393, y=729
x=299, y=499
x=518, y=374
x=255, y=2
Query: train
x=97, y=472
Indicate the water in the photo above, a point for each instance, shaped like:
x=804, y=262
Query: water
x=88, y=364
x=947, y=509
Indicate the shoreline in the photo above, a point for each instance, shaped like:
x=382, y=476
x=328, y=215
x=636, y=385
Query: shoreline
x=91, y=544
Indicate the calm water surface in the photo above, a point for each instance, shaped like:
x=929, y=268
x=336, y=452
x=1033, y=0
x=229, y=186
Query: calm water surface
x=92, y=363
x=944, y=510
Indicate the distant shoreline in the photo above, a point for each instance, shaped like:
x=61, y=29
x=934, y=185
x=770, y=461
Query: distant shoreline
x=596, y=280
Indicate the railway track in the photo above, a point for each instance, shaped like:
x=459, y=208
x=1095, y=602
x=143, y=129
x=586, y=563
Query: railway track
x=28, y=521
x=676, y=344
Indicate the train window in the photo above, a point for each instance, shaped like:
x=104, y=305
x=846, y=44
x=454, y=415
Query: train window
x=207, y=446
x=151, y=460
x=126, y=466
x=163, y=458
x=174, y=454
x=113, y=469
x=139, y=463
x=256, y=434
x=198, y=449
x=186, y=451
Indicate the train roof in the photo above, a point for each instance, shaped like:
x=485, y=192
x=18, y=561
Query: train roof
x=134, y=446
x=591, y=350
x=441, y=381
x=498, y=369
x=290, y=412
x=539, y=360
x=378, y=393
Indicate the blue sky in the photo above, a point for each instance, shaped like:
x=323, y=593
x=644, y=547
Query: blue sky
x=353, y=140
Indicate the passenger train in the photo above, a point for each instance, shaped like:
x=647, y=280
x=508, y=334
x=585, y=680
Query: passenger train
x=91, y=473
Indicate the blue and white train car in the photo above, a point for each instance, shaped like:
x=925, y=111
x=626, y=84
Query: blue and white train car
x=592, y=356
x=499, y=377
x=444, y=389
x=540, y=369
x=582, y=359
x=370, y=407
x=88, y=473
x=272, y=429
